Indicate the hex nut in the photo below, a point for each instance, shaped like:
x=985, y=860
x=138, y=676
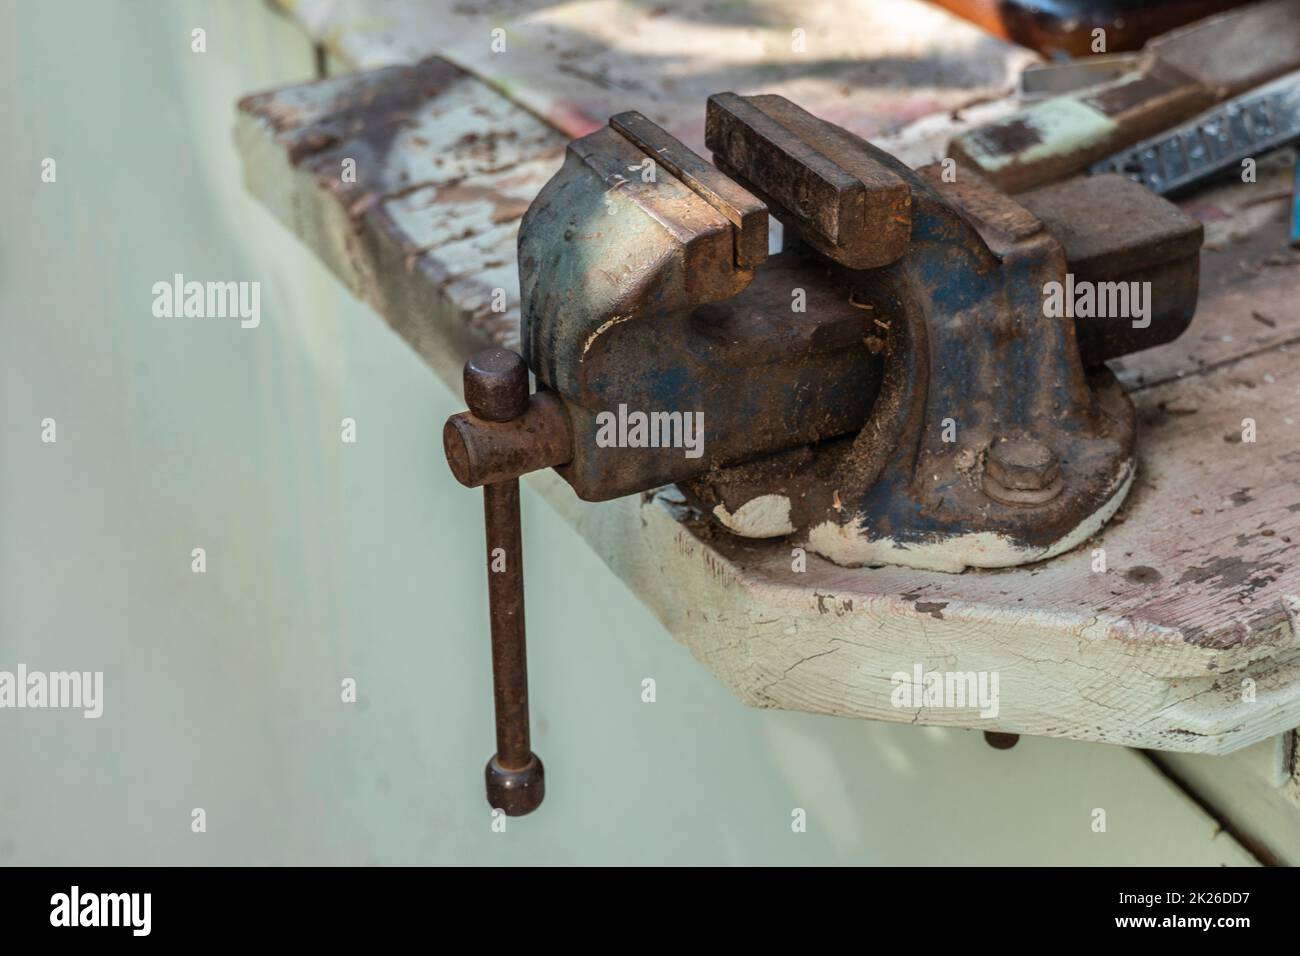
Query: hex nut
x=1021, y=472
x=1022, y=465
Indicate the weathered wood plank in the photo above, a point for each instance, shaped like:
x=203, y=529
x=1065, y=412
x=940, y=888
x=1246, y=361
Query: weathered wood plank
x=1200, y=591
x=425, y=229
x=1200, y=594
x=576, y=63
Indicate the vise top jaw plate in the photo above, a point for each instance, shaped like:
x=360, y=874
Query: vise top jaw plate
x=843, y=196
x=745, y=211
x=685, y=216
x=634, y=227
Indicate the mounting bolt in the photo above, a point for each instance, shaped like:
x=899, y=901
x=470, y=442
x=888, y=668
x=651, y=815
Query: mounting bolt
x=1021, y=472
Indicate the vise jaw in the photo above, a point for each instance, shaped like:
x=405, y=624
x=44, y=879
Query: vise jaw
x=893, y=387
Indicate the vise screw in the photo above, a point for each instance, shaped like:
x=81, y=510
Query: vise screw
x=893, y=387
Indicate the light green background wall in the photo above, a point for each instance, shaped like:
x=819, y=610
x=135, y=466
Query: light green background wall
x=328, y=560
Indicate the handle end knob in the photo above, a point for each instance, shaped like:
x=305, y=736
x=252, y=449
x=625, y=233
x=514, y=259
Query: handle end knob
x=496, y=385
x=516, y=792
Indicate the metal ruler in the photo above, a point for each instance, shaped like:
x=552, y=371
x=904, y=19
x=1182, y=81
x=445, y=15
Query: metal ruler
x=1247, y=126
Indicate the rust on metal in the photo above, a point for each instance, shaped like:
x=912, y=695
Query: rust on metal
x=668, y=209
x=496, y=381
x=916, y=299
x=483, y=452
x=1025, y=465
x=740, y=207
x=1115, y=230
x=822, y=179
x=496, y=385
x=515, y=778
x=1021, y=472
x=890, y=388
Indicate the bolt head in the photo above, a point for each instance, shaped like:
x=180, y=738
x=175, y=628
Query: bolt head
x=1022, y=465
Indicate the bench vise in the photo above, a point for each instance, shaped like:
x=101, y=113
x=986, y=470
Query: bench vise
x=917, y=378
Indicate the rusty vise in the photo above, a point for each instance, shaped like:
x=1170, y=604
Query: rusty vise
x=917, y=378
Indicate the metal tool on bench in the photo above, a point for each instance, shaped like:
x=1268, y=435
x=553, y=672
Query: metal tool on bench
x=1247, y=126
x=1176, y=77
x=887, y=389
x=1038, y=81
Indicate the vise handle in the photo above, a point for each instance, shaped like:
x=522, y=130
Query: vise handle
x=491, y=445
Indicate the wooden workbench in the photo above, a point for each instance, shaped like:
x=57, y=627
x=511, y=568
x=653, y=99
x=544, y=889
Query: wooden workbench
x=1187, y=642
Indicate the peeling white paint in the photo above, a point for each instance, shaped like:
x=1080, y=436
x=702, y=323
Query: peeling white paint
x=1063, y=125
x=767, y=516
x=604, y=327
x=850, y=545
